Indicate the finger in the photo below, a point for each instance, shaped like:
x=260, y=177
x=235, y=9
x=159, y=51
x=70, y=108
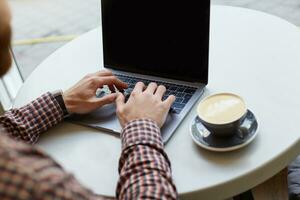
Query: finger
x=120, y=100
x=139, y=87
x=112, y=80
x=160, y=91
x=104, y=72
x=112, y=88
x=169, y=101
x=108, y=99
x=151, y=88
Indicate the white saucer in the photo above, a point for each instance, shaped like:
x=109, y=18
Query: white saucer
x=246, y=132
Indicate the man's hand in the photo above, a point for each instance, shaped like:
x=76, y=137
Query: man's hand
x=144, y=104
x=81, y=98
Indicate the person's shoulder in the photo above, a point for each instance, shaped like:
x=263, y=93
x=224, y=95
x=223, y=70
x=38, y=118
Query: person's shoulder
x=15, y=173
x=16, y=155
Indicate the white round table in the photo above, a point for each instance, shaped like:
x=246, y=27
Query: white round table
x=252, y=53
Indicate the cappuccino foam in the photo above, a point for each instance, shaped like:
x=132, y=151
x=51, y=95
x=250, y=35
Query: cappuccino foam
x=221, y=108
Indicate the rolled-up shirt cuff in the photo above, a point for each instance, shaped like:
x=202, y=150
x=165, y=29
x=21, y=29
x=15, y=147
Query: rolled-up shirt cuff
x=141, y=132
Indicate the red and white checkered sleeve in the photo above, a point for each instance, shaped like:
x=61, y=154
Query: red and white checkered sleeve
x=144, y=167
x=26, y=123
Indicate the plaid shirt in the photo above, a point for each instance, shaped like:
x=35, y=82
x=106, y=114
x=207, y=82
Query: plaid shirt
x=26, y=173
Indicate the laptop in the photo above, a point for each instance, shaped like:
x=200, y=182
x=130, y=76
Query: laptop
x=166, y=42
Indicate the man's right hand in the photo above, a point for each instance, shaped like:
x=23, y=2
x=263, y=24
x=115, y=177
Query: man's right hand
x=144, y=104
x=81, y=98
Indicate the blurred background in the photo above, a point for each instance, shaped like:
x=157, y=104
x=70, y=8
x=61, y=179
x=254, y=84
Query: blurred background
x=42, y=26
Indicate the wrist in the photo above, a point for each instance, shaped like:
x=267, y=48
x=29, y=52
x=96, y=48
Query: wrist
x=58, y=95
x=69, y=104
x=141, y=131
x=141, y=119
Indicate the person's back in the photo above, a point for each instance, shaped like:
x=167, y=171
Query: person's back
x=27, y=173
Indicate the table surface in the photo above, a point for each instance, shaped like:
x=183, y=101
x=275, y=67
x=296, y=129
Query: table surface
x=252, y=54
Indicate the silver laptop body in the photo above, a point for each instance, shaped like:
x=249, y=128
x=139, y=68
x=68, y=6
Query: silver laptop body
x=105, y=118
x=137, y=52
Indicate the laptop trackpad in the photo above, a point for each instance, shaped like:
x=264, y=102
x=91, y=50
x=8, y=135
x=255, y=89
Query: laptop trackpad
x=104, y=118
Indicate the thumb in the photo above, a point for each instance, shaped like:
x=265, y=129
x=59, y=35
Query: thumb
x=120, y=100
x=108, y=99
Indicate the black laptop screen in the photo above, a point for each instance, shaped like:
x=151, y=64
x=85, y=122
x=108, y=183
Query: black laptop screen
x=168, y=38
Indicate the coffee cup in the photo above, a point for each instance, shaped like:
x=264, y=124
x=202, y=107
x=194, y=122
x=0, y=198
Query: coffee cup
x=222, y=113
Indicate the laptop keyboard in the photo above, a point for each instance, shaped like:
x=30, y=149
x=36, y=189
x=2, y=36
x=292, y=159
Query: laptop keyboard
x=182, y=93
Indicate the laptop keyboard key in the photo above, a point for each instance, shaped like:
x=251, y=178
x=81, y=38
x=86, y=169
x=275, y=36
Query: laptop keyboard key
x=178, y=105
x=180, y=89
x=172, y=93
x=179, y=94
x=179, y=99
x=132, y=81
x=185, y=100
x=190, y=90
x=172, y=88
x=130, y=86
x=188, y=96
